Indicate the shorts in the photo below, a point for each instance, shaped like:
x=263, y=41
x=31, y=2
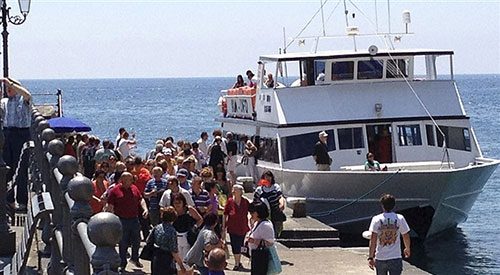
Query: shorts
x=236, y=243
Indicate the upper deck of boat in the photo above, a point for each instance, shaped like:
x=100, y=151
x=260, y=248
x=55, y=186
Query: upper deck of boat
x=296, y=56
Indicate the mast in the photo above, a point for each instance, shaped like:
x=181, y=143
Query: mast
x=322, y=17
x=376, y=17
x=346, y=12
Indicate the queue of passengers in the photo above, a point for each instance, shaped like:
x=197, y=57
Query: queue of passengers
x=187, y=200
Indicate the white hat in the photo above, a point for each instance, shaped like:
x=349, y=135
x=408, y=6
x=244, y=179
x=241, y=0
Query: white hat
x=323, y=134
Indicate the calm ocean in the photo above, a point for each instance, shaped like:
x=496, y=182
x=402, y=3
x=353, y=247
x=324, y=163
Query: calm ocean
x=184, y=107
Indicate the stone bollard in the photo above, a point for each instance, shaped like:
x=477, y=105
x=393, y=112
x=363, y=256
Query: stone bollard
x=42, y=125
x=47, y=136
x=67, y=166
x=105, y=231
x=80, y=189
x=56, y=149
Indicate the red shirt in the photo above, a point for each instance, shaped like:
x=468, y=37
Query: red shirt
x=143, y=176
x=98, y=205
x=237, y=222
x=126, y=202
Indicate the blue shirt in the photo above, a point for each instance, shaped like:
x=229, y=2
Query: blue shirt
x=16, y=112
x=159, y=185
x=165, y=237
x=186, y=185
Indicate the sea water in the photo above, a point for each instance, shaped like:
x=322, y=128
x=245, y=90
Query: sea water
x=184, y=107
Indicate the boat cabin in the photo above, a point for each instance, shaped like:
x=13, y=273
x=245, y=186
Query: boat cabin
x=391, y=103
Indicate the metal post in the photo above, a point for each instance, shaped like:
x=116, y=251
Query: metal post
x=5, y=36
x=80, y=189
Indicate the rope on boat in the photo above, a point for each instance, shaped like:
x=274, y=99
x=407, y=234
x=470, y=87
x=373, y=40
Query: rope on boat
x=328, y=213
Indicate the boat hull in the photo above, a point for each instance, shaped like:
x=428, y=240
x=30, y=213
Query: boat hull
x=432, y=201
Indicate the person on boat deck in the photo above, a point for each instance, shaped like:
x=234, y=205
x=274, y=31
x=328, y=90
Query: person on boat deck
x=320, y=153
x=252, y=82
x=321, y=76
x=385, y=245
x=371, y=164
x=239, y=83
x=269, y=81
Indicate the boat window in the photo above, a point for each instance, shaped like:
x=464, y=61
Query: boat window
x=370, y=69
x=457, y=138
x=319, y=71
x=429, y=129
x=409, y=135
x=268, y=150
x=396, y=68
x=350, y=138
x=343, y=70
x=299, y=146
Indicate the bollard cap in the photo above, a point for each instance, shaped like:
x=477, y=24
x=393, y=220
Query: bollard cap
x=42, y=125
x=67, y=165
x=38, y=119
x=48, y=134
x=105, y=229
x=80, y=189
x=56, y=147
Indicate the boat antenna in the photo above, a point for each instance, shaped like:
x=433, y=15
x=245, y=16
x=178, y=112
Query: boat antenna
x=389, y=16
x=352, y=32
x=322, y=18
x=376, y=17
x=346, y=12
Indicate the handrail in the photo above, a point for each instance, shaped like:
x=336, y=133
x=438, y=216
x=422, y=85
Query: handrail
x=78, y=243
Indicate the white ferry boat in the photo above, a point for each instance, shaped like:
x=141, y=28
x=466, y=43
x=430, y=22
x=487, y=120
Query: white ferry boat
x=366, y=101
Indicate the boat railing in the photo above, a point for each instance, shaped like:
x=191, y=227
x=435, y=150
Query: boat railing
x=406, y=166
x=47, y=108
x=81, y=243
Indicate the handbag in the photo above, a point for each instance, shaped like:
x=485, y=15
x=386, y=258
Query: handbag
x=260, y=259
x=274, y=261
x=148, y=250
x=245, y=249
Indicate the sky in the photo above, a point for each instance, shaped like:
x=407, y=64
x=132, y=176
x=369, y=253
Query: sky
x=146, y=39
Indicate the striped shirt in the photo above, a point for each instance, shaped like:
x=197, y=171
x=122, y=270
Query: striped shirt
x=200, y=200
x=272, y=194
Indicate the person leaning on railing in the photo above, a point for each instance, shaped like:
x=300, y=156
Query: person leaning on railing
x=16, y=118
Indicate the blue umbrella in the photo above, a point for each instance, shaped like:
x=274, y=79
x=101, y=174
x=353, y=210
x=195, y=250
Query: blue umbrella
x=68, y=125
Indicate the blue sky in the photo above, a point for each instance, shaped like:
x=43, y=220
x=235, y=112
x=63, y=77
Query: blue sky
x=107, y=39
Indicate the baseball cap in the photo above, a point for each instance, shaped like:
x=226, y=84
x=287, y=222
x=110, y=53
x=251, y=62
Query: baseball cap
x=182, y=172
x=323, y=134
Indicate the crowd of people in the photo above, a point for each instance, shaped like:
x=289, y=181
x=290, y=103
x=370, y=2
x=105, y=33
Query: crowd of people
x=183, y=197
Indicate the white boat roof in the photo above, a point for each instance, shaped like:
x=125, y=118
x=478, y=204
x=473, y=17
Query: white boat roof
x=351, y=54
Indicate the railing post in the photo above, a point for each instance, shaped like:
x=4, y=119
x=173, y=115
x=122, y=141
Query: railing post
x=56, y=149
x=80, y=189
x=67, y=166
x=40, y=162
x=105, y=231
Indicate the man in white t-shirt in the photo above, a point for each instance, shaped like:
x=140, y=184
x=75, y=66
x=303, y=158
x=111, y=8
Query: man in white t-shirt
x=385, y=245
